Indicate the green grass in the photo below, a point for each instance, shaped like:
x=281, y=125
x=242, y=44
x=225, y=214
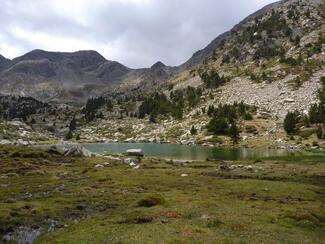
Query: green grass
x=299, y=157
x=281, y=203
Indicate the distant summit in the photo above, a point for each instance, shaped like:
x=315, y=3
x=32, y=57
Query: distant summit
x=4, y=62
x=158, y=65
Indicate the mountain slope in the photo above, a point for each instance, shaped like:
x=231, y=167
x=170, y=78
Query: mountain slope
x=274, y=58
x=69, y=77
x=282, y=41
x=4, y=62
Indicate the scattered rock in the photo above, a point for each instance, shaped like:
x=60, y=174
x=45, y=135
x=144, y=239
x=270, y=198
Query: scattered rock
x=78, y=151
x=237, y=167
x=248, y=167
x=131, y=161
x=5, y=142
x=116, y=159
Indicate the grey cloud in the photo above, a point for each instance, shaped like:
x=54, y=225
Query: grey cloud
x=135, y=33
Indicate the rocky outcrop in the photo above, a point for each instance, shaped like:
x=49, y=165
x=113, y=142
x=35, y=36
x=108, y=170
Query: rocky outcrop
x=78, y=151
x=276, y=98
x=135, y=152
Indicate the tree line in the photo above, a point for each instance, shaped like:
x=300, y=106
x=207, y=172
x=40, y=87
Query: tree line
x=316, y=115
x=224, y=118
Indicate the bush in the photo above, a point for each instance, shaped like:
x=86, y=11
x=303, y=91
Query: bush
x=306, y=133
x=151, y=201
x=319, y=133
x=251, y=129
x=212, y=79
x=315, y=144
x=137, y=218
x=69, y=135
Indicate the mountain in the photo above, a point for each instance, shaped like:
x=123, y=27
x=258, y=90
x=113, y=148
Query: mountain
x=69, y=77
x=275, y=43
x=274, y=58
x=199, y=56
x=4, y=62
x=270, y=63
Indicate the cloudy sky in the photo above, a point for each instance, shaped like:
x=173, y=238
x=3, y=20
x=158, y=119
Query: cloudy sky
x=136, y=33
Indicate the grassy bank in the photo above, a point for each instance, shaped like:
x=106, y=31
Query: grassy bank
x=270, y=202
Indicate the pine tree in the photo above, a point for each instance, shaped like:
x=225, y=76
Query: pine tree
x=234, y=133
x=290, y=122
x=218, y=126
x=73, y=125
x=193, y=130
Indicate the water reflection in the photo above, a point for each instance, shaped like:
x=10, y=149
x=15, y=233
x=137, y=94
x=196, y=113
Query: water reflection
x=184, y=152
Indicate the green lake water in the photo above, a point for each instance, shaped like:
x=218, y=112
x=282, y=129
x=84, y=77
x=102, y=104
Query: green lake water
x=184, y=152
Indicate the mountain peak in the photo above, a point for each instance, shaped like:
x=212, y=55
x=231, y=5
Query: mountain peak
x=2, y=58
x=4, y=62
x=158, y=65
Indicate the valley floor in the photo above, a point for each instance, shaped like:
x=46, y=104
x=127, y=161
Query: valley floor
x=100, y=200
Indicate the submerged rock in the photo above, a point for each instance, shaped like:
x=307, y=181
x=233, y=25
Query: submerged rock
x=135, y=152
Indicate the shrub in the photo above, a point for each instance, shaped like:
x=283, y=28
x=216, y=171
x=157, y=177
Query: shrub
x=251, y=129
x=151, y=201
x=137, y=218
x=315, y=144
x=319, y=133
x=212, y=79
x=69, y=135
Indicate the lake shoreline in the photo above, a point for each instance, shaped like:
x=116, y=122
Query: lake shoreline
x=184, y=152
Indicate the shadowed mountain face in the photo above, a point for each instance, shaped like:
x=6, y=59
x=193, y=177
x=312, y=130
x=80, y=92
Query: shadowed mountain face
x=70, y=77
x=4, y=62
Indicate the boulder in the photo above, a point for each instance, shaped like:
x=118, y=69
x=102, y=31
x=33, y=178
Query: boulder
x=130, y=140
x=135, y=152
x=131, y=161
x=78, y=151
x=5, y=142
x=288, y=100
